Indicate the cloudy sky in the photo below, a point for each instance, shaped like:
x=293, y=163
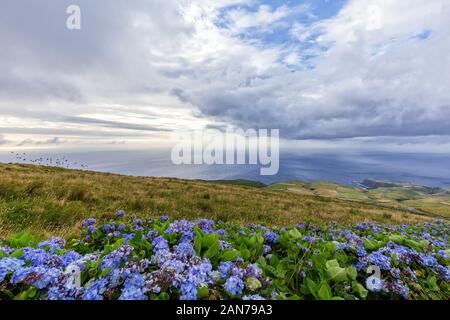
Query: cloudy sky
x=322, y=71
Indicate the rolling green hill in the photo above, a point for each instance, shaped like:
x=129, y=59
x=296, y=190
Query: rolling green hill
x=52, y=201
x=403, y=196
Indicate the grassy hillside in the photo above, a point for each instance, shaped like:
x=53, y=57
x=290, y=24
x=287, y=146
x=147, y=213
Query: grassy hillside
x=242, y=182
x=403, y=196
x=52, y=201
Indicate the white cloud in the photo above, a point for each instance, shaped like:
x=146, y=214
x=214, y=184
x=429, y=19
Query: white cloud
x=2, y=139
x=34, y=142
x=139, y=69
x=292, y=58
x=371, y=81
x=241, y=19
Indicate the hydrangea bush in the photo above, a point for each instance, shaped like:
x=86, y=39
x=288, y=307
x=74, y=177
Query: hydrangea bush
x=133, y=259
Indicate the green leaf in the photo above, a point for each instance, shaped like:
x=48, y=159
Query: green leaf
x=424, y=243
x=352, y=273
x=413, y=244
x=325, y=292
x=203, y=292
x=93, y=272
x=359, y=289
x=118, y=244
x=209, y=239
x=141, y=254
x=262, y=262
x=3, y=254
x=137, y=237
x=332, y=264
x=331, y=246
x=319, y=261
x=281, y=270
x=31, y=293
x=198, y=244
x=371, y=244
x=311, y=285
x=245, y=253
x=432, y=282
x=397, y=238
x=163, y=296
x=22, y=295
x=273, y=260
x=337, y=273
x=105, y=272
x=213, y=250
x=252, y=284
x=21, y=240
x=8, y=293
x=17, y=254
x=230, y=255
x=295, y=234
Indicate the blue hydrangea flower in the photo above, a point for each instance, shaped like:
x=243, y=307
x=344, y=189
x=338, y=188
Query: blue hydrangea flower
x=444, y=272
x=28, y=275
x=395, y=272
x=361, y=251
x=184, y=250
x=36, y=257
x=91, y=229
x=174, y=268
x=120, y=213
x=253, y=297
x=206, y=225
x=69, y=257
x=8, y=265
x=410, y=273
x=221, y=233
x=225, y=245
x=95, y=290
x=271, y=237
x=189, y=290
x=185, y=227
x=134, y=288
x=253, y=271
x=225, y=269
x=234, y=285
x=48, y=278
x=116, y=258
x=428, y=260
x=160, y=243
x=52, y=244
x=6, y=250
x=89, y=222
x=398, y=287
x=310, y=239
x=58, y=293
x=380, y=260
x=443, y=254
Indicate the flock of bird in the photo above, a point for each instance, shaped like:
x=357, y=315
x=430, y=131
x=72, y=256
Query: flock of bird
x=63, y=162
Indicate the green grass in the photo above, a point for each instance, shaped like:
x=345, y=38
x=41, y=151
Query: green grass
x=53, y=201
x=403, y=196
x=242, y=182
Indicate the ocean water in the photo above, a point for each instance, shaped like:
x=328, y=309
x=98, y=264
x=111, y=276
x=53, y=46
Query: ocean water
x=341, y=166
